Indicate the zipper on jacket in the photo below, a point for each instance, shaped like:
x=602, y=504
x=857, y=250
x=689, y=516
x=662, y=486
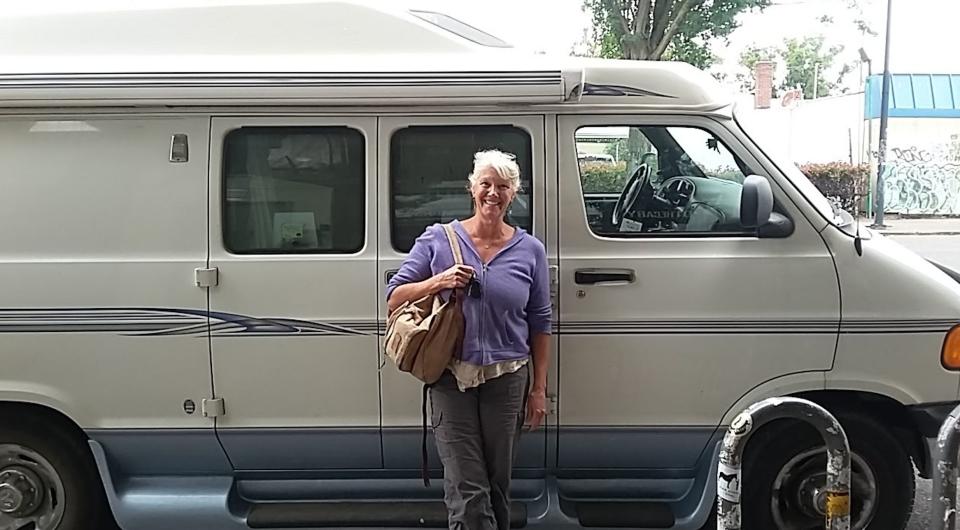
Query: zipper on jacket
x=483, y=310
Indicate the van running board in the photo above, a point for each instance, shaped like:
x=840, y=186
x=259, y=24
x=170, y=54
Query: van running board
x=360, y=514
x=625, y=515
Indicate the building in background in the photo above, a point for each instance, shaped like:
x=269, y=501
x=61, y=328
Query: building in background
x=923, y=135
x=922, y=176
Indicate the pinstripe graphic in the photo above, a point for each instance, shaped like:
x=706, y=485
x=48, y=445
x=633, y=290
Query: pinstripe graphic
x=149, y=322
x=754, y=327
x=898, y=326
x=749, y=327
x=157, y=322
x=592, y=89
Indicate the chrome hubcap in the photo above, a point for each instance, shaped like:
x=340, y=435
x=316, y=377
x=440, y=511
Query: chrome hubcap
x=20, y=491
x=799, y=497
x=10, y=498
x=31, y=491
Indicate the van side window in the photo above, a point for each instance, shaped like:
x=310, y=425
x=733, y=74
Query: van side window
x=647, y=180
x=429, y=166
x=293, y=190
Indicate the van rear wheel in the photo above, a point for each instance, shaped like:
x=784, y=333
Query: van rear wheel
x=48, y=481
x=784, y=473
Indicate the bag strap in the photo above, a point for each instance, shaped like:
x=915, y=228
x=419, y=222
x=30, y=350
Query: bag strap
x=454, y=243
x=424, y=456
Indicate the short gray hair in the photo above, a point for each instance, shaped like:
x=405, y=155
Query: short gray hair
x=504, y=164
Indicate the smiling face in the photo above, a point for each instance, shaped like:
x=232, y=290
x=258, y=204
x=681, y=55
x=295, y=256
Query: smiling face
x=492, y=194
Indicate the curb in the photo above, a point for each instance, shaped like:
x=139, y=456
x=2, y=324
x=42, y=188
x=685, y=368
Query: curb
x=916, y=233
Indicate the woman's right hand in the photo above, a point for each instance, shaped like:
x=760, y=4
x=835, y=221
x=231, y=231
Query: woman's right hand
x=455, y=277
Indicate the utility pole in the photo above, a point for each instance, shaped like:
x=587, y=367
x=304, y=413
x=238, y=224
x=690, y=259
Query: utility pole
x=884, y=114
x=864, y=58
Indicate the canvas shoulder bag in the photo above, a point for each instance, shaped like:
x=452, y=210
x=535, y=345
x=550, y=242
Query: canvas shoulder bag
x=423, y=335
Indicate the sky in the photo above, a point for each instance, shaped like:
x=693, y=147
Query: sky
x=921, y=34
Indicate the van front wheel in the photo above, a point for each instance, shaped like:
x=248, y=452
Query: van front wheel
x=784, y=474
x=48, y=481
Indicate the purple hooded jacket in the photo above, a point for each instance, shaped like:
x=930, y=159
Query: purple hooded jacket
x=515, y=291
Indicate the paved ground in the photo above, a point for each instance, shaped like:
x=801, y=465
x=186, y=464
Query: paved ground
x=921, y=506
x=923, y=226
x=944, y=249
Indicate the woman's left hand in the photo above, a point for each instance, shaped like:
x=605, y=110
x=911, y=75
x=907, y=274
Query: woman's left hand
x=536, y=408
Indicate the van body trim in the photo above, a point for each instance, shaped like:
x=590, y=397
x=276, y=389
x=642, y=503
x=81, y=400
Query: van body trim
x=186, y=321
x=389, y=88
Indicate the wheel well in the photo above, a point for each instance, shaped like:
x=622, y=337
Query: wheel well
x=886, y=411
x=32, y=413
x=49, y=421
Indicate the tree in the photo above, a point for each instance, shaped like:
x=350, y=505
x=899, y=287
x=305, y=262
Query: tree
x=860, y=18
x=748, y=60
x=664, y=29
x=799, y=57
x=803, y=60
x=807, y=63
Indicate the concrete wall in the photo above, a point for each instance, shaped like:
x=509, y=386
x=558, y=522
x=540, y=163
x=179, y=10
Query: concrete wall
x=923, y=166
x=923, y=171
x=827, y=129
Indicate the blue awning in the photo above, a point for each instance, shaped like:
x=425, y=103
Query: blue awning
x=915, y=96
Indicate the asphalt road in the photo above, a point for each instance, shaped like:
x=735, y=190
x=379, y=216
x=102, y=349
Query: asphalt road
x=944, y=249
x=921, y=506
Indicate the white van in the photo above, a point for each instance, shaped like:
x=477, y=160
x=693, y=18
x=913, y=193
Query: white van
x=200, y=209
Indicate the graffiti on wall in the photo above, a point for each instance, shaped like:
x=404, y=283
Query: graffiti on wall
x=922, y=181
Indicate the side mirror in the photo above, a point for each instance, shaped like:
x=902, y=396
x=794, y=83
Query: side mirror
x=756, y=202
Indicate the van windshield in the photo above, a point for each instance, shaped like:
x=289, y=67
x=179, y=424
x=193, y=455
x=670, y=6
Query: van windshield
x=830, y=211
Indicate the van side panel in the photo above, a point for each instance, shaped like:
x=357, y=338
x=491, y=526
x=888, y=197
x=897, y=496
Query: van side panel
x=897, y=309
x=100, y=316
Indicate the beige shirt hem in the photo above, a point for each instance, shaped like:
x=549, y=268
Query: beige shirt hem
x=470, y=375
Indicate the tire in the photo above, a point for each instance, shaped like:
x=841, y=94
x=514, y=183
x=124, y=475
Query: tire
x=779, y=457
x=61, y=465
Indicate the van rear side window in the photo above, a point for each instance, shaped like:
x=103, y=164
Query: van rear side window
x=429, y=166
x=293, y=190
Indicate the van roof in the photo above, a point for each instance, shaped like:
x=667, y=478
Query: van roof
x=319, y=52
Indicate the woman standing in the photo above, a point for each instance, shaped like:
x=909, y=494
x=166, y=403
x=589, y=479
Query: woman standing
x=478, y=404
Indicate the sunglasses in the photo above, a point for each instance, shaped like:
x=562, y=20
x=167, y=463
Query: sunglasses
x=473, y=288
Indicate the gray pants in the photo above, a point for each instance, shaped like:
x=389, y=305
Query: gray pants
x=477, y=434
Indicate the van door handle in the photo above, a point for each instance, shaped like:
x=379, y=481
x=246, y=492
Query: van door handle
x=389, y=273
x=604, y=276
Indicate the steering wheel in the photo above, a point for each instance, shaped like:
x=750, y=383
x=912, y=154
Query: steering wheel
x=631, y=192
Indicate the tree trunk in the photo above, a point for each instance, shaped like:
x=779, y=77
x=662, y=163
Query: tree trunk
x=637, y=48
x=637, y=146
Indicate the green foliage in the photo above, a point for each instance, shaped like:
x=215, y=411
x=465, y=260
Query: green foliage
x=603, y=177
x=749, y=58
x=664, y=29
x=844, y=184
x=798, y=58
x=806, y=62
x=610, y=47
x=618, y=149
x=687, y=50
x=860, y=17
